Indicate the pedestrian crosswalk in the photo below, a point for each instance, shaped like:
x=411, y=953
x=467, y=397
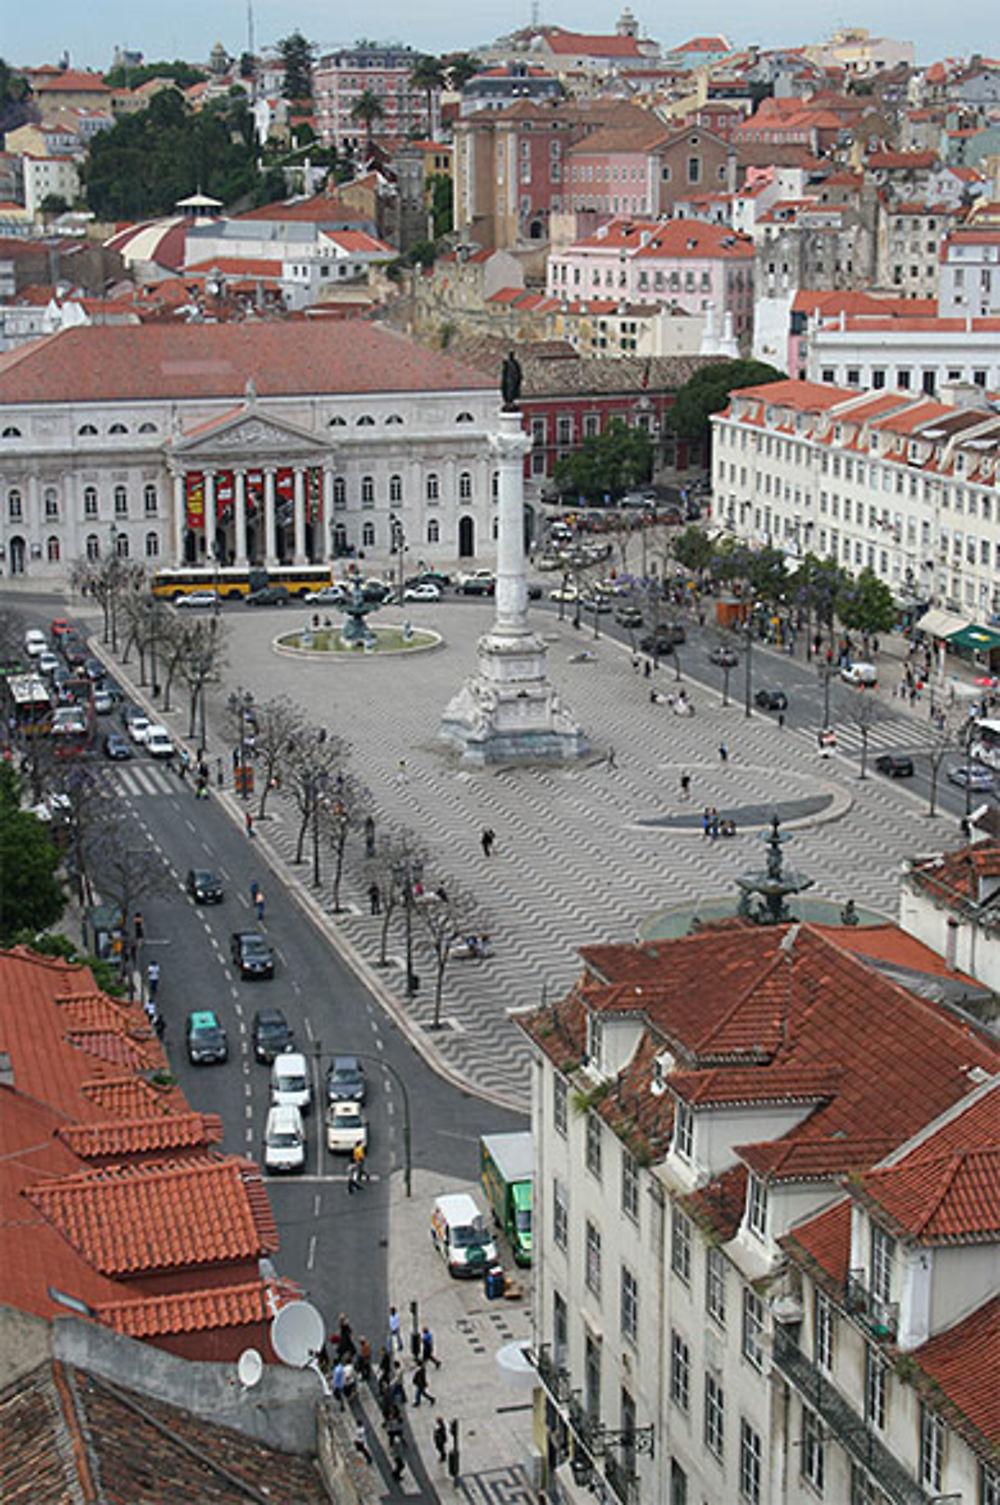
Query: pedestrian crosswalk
x=897, y=734
x=140, y=779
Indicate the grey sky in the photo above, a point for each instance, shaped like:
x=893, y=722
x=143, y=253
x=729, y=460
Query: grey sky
x=188, y=28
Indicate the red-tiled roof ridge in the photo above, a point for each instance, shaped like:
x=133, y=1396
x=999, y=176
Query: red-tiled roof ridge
x=963, y=1367
x=951, y=1199
x=822, y=1243
x=130, y=1136
x=756, y=1084
x=210, y=1307
x=135, y=1095
x=813, y=1159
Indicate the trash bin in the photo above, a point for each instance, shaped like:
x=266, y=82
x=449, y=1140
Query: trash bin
x=496, y=1283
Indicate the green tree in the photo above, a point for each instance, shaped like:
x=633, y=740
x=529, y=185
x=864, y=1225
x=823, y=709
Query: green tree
x=367, y=109
x=428, y=74
x=15, y=91
x=183, y=74
x=459, y=67
x=53, y=203
x=297, y=58
x=693, y=549
x=866, y=604
x=31, y=896
x=442, y=205
x=607, y=464
x=707, y=392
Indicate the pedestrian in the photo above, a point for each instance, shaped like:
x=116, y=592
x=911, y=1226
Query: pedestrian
x=138, y=925
x=259, y=905
x=685, y=786
x=427, y=1354
x=420, y=1389
x=441, y=1439
x=401, y=775
x=396, y=1454
x=610, y=759
x=361, y=1441
x=374, y=898
x=723, y=753
x=397, y=1390
x=486, y=840
x=714, y=824
x=344, y=1339
x=647, y=668
x=781, y=720
x=706, y=822
x=160, y=1025
x=254, y=891
x=395, y=1330
x=354, y=1176
x=364, y=1360
x=236, y=758
x=338, y=1384
x=369, y=836
x=248, y=823
x=152, y=980
x=385, y=1364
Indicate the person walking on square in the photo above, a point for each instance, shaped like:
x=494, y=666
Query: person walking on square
x=338, y=1383
x=395, y=1331
x=254, y=891
x=685, y=786
x=361, y=1441
x=420, y=1389
x=427, y=1354
x=441, y=1439
x=248, y=824
x=723, y=753
x=487, y=839
x=374, y=898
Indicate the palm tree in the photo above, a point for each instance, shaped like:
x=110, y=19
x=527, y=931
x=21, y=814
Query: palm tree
x=367, y=109
x=428, y=74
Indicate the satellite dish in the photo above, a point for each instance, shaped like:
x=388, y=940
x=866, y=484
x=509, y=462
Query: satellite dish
x=298, y=1334
x=249, y=1368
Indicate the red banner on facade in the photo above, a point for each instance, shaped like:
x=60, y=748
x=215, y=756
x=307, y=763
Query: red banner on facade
x=314, y=495
x=194, y=491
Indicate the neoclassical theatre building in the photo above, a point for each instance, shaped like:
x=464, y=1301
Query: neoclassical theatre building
x=240, y=444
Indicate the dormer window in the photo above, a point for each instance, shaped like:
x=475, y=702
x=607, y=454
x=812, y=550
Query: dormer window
x=683, y=1131
x=757, y=1207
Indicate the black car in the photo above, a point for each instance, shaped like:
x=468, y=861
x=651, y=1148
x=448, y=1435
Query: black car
x=271, y=1034
x=117, y=747
x=345, y=1081
x=667, y=636
x=94, y=670
x=375, y=590
x=430, y=577
x=267, y=595
x=251, y=954
x=724, y=656
x=204, y=886
x=205, y=1039
x=894, y=766
x=629, y=616
x=772, y=700
x=73, y=651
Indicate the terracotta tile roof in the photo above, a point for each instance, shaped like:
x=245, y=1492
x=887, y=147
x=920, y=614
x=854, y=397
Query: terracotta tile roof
x=809, y=1159
x=822, y=1244
x=773, y=1084
x=963, y=1366
x=319, y=210
x=205, y=361
x=571, y=42
x=951, y=1199
x=165, y=1131
x=132, y=1219
x=41, y=1465
x=804, y=396
x=131, y=1097
x=208, y=1307
x=954, y=878
x=719, y=1205
x=237, y=266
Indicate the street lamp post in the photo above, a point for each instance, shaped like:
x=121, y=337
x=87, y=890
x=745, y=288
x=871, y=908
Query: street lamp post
x=748, y=680
x=240, y=702
x=397, y=543
x=408, y=871
x=825, y=674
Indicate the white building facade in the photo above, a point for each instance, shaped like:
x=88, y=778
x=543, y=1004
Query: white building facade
x=242, y=444
x=906, y=486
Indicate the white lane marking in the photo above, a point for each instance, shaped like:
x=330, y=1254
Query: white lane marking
x=249, y=1110
x=295, y=987
x=316, y=1202
x=189, y=825
x=311, y=1256
x=390, y=1109
x=309, y=1028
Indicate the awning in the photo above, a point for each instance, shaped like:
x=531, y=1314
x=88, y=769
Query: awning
x=981, y=639
x=941, y=624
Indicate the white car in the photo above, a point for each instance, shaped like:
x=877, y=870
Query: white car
x=290, y=1085
x=35, y=642
x=327, y=595
x=284, y=1140
x=48, y=662
x=198, y=598
x=138, y=728
x=564, y=593
x=158, y=742
x=865, y=675
x=424, y=592
x=345, y=1127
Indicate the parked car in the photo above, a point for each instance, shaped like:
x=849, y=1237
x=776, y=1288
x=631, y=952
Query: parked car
x=665, y=637
x=205, y=1039
x=158, y=742
x=894, y=765
x=345, y=1081
x=865, y=676
x=195, y=599
x=327, y=595
x=478, y=583
x=346, y=1127
x=771, y=700
x=284, y=1140
x=424, y=592
x=204, y=886
x=270, y=1034
x=117, y=747
x=251, y=954
x=290, y=1084
x=724, y=656
x=974, y=776
x=267, y=595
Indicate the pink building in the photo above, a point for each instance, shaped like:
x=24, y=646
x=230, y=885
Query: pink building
x=684, y=264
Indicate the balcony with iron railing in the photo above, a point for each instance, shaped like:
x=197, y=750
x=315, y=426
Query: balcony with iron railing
x=553, y=1375
x=880, y=1317
x=845, y=1426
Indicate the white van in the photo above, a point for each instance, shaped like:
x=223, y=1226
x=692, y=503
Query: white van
x=284, y=1140
x=864, y=675
x=461, y=1236
x=290, y=1086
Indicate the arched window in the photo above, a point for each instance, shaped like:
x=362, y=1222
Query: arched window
x=433, y=488
x=118, y=428
x=368, y=536
x=394, y=418
x=367, y=491
x=339, y=492
x=366, y=421
x=147, y=428
x=93, y=546
x=152, y=546
x=336, y=422
x=395, y=488
x=465, y=486
x=465, y=418
x=90, y=501
x=433, y=531
x=121, y=546
x=51, y=501
x=149, y=499
x=121, y=502
x=11, y=433
x=52, y=550
x=87, y=430
x=14, y=510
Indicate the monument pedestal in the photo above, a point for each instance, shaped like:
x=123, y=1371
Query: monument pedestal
x=507, y=711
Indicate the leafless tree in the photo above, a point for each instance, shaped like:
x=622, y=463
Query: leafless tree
x=343, y=809
x=312, y=760
x=107, y=581
x=277, y=725
x=447, y=914
x=946, y=737
x=399, y=856
x=87, y=806
x=124, y=872
x=201, y=662
x=862, y=709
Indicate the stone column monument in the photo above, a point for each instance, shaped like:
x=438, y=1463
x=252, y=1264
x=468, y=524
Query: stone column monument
x=507, y=711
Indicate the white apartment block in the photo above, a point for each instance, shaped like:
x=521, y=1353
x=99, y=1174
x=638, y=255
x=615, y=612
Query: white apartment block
x=970, y=273
x=923, y=353
x=49, y=175
x=906, y=486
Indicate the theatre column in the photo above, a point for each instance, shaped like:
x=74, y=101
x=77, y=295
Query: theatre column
x=299, y=514
x=240, y=519
x=179, y=518
x=327, y=520
x=210, y=519
x=270, y=552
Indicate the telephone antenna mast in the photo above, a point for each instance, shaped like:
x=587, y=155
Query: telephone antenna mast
x=250, y=27
x=535, y=14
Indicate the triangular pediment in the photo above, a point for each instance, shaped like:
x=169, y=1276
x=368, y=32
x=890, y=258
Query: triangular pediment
x=249, y=432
